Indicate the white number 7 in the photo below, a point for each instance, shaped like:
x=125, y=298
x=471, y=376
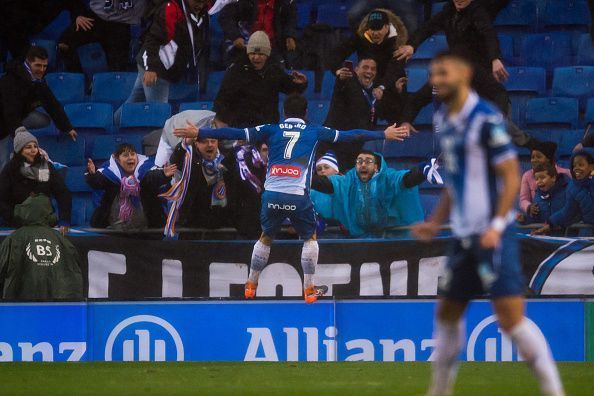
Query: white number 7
x=293, y=137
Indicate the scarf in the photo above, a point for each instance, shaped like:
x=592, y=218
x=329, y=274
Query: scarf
x=177, y=193
x=244, y=171
x=213, y=173
x=38, y=171
x=129, y=197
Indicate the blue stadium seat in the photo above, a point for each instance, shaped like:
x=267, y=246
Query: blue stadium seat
x=531, y=80
x=424, y=119
x=90, y=116
x=552, y=112
x=334, y=15
x=548, y=50
x=212, y=85
x=183, y=92
x=328, y=82
x=75, y=179
x=49, y=130
x=105, y=145
x=92, y=59
x=114, y=87
x=585, y=50
x=304, y=14
x=50, y=46
x=82, y=209
x=63, y=150
x=437, y=7
x=144, y=115
x=317, y=111
x=571, y=14
x=576, y=82
x=567, y=141
x=517, y=15
x=506, y=46
x=589, y=117
x=67, y=87
x=204, y=105
x=55, y=28
x=311, y=85
x=518, y=103
x=417, y=77
x=428, y=49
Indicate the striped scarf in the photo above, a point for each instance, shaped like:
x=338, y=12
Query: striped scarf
x=177, y=193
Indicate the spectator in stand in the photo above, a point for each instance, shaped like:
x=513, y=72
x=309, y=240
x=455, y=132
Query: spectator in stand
x=541, y=153
x=379, y=35
x=469, y=29
x=549, y=197
x=277, y=18
x=249, y=92
x=36, y=262
x=356, y=103
x=172, y=47
x=106, y=22
x=168, y=141
x=23, y=89
x=327, y=165
x=206, y=199
x=129, y=189
x=23, y=18
x=407, y=9
x=579, y=205
x=30, y=172
x=372, y=197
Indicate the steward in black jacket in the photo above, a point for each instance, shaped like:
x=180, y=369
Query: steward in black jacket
x=20, y=95
x=168, y=48
x=249, y=97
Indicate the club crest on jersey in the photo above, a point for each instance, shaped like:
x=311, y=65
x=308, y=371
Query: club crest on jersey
x=285, y=171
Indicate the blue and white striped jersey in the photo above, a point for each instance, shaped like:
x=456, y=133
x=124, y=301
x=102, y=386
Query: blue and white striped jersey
x=292, y=147
x=473, y=142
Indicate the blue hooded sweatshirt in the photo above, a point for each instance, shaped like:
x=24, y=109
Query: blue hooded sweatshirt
x=367, y=209
x=550, y=201
x=580, y=200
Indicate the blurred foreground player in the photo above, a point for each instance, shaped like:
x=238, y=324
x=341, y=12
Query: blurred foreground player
x=482, y=187
x=292, y=146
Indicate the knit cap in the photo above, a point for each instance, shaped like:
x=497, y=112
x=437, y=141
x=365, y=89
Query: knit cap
x=21, y=138
x=329, y=159
x=259, y=43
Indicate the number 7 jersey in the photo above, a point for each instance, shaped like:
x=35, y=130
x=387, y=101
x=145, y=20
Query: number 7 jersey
x=292, y=147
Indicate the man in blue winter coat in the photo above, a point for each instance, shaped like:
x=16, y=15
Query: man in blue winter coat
x=372, y=197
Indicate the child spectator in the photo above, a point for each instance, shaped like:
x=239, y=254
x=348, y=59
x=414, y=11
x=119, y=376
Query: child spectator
x=579, y=205
x=327, y=165
x=541, y=153
x=550, y=194
x=129, y=190
x=30, y=172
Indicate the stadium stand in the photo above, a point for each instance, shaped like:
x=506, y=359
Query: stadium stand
x=547, y=49
x=144, y=115
x=112, y=87
x=417, y=77
x=204, y=105
x=552, y=113
x=64, y=150
x=575, y=82
x=67, y=87
x=318, y=110
x=105, y=145
x=426, y=51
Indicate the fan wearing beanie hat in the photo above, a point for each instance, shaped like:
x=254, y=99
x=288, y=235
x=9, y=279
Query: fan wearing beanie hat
x=259, y=43
x=327, y=165
x=22, y=137
x=541, y=153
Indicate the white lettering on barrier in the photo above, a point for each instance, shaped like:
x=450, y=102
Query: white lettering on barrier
x=260, y=337
x=430, y=269
x=172, y=274
x=279, y=274
x=5, y=352
x=370, y=280
x=101, y=264
x=28, y=351
x=223, y=275
x=78, y=350
x=399, y=278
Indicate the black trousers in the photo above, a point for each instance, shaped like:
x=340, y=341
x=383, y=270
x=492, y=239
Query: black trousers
x=114, y=37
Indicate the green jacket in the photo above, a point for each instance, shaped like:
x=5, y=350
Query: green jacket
x=36, y=262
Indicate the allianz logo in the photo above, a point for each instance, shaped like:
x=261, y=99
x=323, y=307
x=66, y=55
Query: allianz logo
x=485, y=343
x=282, y=207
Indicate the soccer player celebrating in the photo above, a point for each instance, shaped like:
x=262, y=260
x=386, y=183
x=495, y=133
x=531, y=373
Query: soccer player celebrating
x=482, y=186
x=292, y=146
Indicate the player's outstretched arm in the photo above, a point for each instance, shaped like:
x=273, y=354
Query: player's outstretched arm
x=191, y=131
x=428, y=230
x=360, y=135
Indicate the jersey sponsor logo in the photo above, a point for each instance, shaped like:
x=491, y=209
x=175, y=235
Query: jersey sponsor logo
x=282, y=207
x=285, y=171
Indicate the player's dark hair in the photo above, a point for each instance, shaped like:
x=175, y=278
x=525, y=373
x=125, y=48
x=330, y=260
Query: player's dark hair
x=35, y=51
x=295, y=106
x=459, y=55
x=123, y=148
x=549, y=168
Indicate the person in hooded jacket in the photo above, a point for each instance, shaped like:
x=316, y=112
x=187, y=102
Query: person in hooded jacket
x=31, y=172
x=37, y=262
x=129, y=188
x=373, y=197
